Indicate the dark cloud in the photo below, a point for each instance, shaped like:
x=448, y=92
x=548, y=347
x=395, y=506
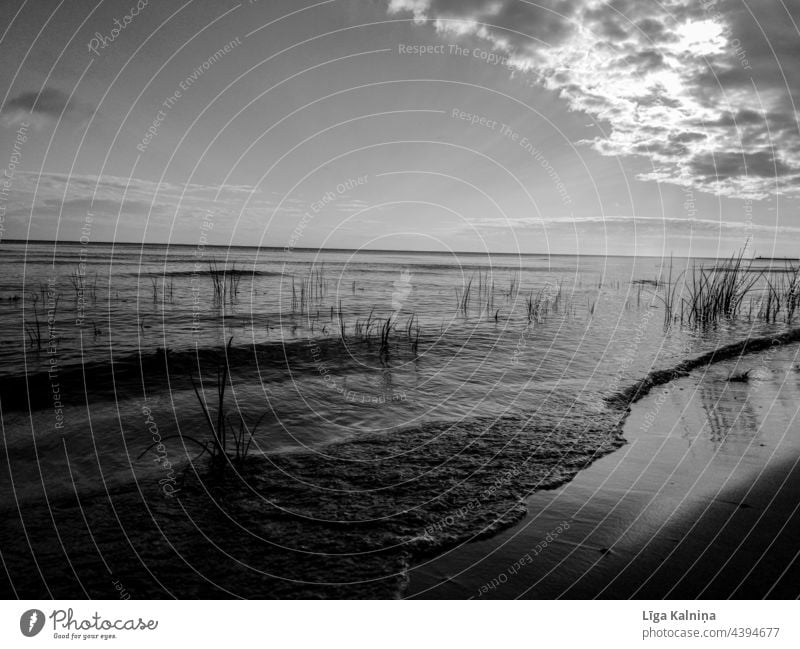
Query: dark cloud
x=732, y=163
x=653, y=30
x=688, y=136
x=647, y=59
x=49, y=101
x=741, y=117
x=47, y=104
x=547, y=21
x=606, y=25
x=657, y=97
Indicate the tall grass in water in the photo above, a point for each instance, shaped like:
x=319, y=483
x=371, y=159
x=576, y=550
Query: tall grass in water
x=81, y=287
x=463, y=297
x=537, y=307
x=230, y=442
x=482, y=291
x=342, y=325
x=669, y=298
x=34, y=330
x=716, y=293
x=386, y=329
x=704, y=296
x=412, y=333
x=312, y=290
x=224, y=281
x=782, y=296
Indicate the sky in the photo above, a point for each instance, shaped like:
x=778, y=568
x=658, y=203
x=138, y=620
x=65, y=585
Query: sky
x=559, y=126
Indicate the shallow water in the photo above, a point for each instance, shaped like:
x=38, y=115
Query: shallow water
x=698, y=504
x=597, y=329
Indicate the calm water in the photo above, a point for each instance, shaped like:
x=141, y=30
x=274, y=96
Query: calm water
x=597, y=328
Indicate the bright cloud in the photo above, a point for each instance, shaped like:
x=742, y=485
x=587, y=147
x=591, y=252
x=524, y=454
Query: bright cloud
x=704, y=90
x=57, y=204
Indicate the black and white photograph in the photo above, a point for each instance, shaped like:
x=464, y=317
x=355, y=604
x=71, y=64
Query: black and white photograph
x=425, y=300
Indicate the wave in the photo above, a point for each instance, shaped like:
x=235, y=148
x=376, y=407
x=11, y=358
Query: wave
x=638, y=390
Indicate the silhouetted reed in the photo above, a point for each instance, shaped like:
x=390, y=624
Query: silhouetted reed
x=224, y=281
x=716, y=293
x=230, y=442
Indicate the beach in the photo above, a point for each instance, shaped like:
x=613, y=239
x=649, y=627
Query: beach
x=701, y=502
x=690, y=492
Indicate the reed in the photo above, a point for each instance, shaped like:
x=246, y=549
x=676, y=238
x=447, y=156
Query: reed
x=223, y=433
x=230, y=442
x=224, y=281
x=386, y=329
x=781, y=295
x=669, y=297
x=76, y=280
x=717, y=293
x=463, y=297
x=218, y=430
x=538, y=306
x=513, y=287
x=34, y=330
x=49, y=313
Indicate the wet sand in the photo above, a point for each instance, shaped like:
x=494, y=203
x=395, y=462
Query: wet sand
x=703, y=502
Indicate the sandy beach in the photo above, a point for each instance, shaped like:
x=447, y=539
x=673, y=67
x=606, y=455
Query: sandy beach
x=700, y=503
x=690, y=494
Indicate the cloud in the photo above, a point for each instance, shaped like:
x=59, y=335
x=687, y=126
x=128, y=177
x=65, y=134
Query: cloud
x=80, y=206
x=77, y=194
x=505, y=23
x=686, y=225
x=45, y=106
x=706, y=90
x=129, y=208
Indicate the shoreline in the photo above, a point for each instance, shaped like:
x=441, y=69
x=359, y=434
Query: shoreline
x=430, y=491
x=331, y=529
x=640, y=389
x=698, y=504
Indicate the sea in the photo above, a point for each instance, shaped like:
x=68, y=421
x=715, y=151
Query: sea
x=313, y=346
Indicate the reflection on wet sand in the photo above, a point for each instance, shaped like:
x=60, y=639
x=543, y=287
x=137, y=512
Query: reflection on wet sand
x=674, y=513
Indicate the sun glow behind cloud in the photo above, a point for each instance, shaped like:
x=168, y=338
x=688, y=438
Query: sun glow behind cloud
x=666, y=81
x=701, y=38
